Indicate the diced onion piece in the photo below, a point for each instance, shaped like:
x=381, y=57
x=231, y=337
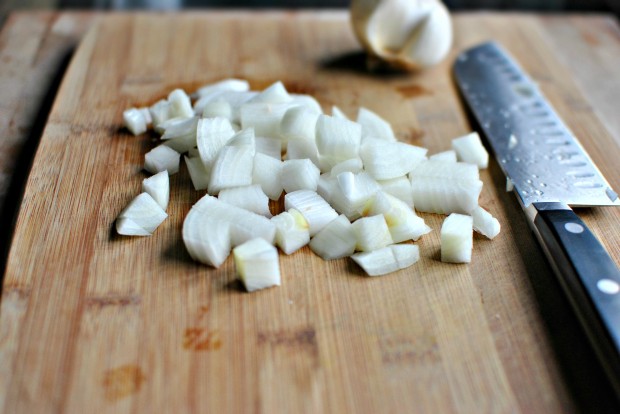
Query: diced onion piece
x=206, y=238
x=274, y=94
x=469, y=149
x=326, y=186
x=257, y=265
x=181, y=144
x=292, y=231
x=457, y=239
x=267, y=172
x=162, y=158
x=353, y=165
x=352, y=193
x=299, y=175
x=158, y=187
x=337, y=113
x=335, y=240
x=401, y=219
x=405, y=254
x=442, y=196
x=445, y=156
x=243, y=138
x=445, y=169
x=306, y=101
x=134, y=120
x=374, y=127
x=160, y=111
x=485, y=223
x=509, y=185
x=233, y=167
x=180, y=104
x=211, y=135
x=250, y=197
x=337, y=140
x=234, y=98
x=218, y=109
x=147, y=116
x=298, y=123
x=387, y=259
x=399, y=187
x=234, y=164
x=180, y=128
x=269, y=146
x=384, y=160
x=237, y=85
x=142, y=212
x=312, y=206
x=168, y=123
x=371, y=233
x=297, y=149
x=244, y=225
x=377, y=262
x=265, y=118
x=197, y=172
x=128, y=227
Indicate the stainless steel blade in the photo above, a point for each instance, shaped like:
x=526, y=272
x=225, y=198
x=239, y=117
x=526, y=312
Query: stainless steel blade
x=536, y=150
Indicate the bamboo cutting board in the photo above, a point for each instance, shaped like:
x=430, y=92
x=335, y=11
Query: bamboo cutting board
x=94, y=322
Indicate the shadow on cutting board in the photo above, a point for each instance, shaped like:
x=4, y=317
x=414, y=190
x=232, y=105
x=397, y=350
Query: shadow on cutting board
x=15, y=192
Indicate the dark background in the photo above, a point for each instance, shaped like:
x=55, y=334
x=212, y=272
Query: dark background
x=538, y=5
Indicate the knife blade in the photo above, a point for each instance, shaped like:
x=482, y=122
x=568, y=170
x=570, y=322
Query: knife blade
x=549, y=171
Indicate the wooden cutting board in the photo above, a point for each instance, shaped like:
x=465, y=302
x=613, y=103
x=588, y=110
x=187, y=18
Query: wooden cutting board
x=94, y=322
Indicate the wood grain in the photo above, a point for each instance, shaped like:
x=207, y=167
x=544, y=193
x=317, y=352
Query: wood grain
x=90, y=319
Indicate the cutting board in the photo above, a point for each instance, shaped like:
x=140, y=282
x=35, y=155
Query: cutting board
x=97, y=322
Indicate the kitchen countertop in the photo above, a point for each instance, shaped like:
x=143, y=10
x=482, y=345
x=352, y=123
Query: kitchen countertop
x=519, y=307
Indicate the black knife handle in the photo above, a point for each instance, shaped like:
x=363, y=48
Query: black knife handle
x=589, y=276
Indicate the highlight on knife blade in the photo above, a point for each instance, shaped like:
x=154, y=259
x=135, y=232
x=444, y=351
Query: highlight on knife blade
x=534, y=147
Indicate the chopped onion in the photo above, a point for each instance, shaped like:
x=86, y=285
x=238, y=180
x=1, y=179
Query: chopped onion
x=457, y=239
x=384, y=160
x=371, y=180
x=292, y=231
x=485, y=223
x=445, y=156
x=374, y=127
x=211, y=135
x=312, y=206
x=257, y=265
x=135, y=121
x=387, y=259
x=244, y=225
x=158, y=187
x=443, y=196
x=162, y=158
x=337, y=140
x=299, y=175
x=352, y=193
x=335, y=240
x=401, y=219
x=399, y=187
x=269, y=146
x=198, y=173
x=250, y=197
x=141, y=217
x=469, y=149
x=267, y=172
x=234, y=164
x=371, y=233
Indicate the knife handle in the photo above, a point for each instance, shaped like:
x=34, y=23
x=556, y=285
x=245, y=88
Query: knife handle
x=589, y=276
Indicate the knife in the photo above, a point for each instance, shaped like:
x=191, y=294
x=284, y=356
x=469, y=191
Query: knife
x=549, y=171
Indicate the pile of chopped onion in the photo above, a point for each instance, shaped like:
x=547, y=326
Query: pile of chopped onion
x=349, y=185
